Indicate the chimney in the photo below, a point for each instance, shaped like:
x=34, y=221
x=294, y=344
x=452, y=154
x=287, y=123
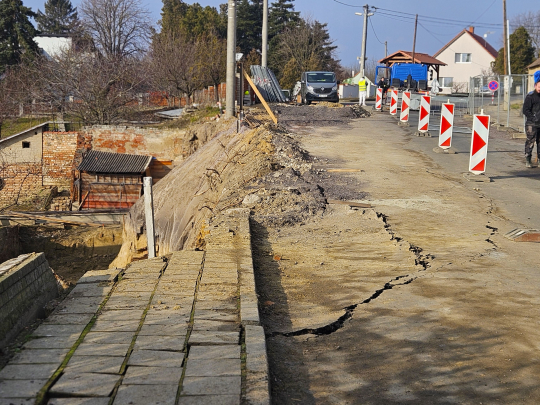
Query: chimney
x=471, y=30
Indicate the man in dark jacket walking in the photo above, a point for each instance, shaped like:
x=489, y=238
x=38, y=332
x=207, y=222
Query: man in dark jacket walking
x=531, y=110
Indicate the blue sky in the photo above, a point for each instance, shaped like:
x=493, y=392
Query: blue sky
x=439, y=22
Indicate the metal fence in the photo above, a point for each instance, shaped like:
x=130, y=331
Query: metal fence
x=504, y=105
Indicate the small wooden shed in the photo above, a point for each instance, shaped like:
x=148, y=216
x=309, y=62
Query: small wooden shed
x=110, y=180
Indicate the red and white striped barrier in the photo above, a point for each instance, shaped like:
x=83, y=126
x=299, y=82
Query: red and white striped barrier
x=393, y=102
x=378, y=99
x=447, y=126
x=405, y=104
x=425, y=108
x=479, y=144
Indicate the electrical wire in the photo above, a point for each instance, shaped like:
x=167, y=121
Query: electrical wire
x=382, y=43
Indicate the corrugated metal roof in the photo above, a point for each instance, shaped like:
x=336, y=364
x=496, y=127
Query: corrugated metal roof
x=107, y=162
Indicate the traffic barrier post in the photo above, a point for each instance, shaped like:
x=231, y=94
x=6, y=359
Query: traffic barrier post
x=479, y=143
x=423, y=121
x=447, y=125
x=394, y=102
x=378, y=99
x=405, y=105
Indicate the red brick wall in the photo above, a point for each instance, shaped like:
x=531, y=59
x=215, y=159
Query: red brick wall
x=59, y=149
x=19, y=182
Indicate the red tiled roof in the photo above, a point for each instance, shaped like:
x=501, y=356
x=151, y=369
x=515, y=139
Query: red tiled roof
x=492, y=51
x=419, y=57
x=536, y=63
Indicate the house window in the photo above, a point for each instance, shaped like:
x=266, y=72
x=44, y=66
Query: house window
x=26, y=145
x=463, y=58
x=446, y=81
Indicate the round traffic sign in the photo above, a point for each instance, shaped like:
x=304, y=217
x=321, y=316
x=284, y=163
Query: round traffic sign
x=493, y=85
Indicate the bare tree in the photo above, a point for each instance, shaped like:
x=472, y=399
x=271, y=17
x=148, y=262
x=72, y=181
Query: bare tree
x=531, y=21
x=176, y=65
x=118, y=27
x=213, y=58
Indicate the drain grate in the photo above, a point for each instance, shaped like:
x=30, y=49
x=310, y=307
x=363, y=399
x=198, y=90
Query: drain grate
x=524, y=235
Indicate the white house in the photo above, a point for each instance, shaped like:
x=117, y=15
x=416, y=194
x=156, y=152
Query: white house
x=466, y=55
x=53, y=45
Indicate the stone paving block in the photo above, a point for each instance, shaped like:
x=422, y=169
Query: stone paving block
x=138, y=274
x=78, y=401
x=229, y=385
x=75, y=308
x=17, y=401
x=39, y=356
x=206, y=325
x=68, y=319
x=109, y=337
x=183, y=301
x=190, y=274
x=166, y=318
x=163, y=330
x=58, y=330
x=228, y=305
x=176, y=287
x=53, y=342
x=167, y=343
x=97, y=276
x=156, y=358
x=146, y=394
x=215, y=315
x=28, y=371
x=110, y=349
x=139, y=375
x=135, y=286
x=214, y=352
x=96, y=301
x=210, y=400
x=130, y=325
x=214, y=338
x=87, y=384
x=94, y=364
x=20, y=388
x=125, y=302
x=120, y=314
x=213, y=368
x=90, y=290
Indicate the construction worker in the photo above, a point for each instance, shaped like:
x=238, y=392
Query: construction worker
x=531, y=110
x=362, y=91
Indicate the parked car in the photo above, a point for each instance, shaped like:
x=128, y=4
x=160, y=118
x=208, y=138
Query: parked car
x=319, y=86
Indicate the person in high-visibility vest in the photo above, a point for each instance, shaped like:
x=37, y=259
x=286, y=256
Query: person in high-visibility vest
x=362, y=91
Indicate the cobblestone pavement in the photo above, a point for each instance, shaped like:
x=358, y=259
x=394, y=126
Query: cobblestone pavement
x=177, y=330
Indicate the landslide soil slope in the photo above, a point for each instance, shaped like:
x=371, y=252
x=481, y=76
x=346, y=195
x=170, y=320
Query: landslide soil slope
x=416, y=300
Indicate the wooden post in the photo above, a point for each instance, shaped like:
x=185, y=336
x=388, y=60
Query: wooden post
x=149, y=217
x=263, y=101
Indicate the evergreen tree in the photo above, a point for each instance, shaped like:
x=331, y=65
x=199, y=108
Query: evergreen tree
x=249, y=25
x=16, y=33
x=192, y=20
x=59, y=18
x=280, y=15
x=521, y=53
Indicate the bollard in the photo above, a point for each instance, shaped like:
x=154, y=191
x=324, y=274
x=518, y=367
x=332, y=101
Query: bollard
x=447, y=126
x=149, y=216
x=405, y=105
x=393, y=102
x=378, y=99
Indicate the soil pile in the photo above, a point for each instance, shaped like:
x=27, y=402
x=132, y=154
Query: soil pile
x=318, y=116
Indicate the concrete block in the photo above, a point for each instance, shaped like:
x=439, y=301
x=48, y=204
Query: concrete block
x=215, y=315
x=53, y=342
x=125, y=302
x=20, y=388
x=68, y=319
x=39, y=356
x=166, y=343
x=130, y=325
x=109, y=337
x=229, y=305
x=166, y=317
x=172, y=302
x=78, y=401
x=109, y=349
x=58, y=330
x=137, y=375
x=28, y=371
x=146, y=394
x=207, y=325
x=84, y=384
x=135, y=286
x=76, y=308
x=99, y=276
x=116, y=315
x=213, y=368
x=91, y=290
x=94, y=364
x=228, y=385
x=214, y=352
x=203, y=338
x=155, y=358
x=163, y=330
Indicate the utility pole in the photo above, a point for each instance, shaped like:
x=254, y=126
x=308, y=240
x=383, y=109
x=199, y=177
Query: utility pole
x=231, y=59
x=385, y=49
x=364, y=40
x=414, y=40
x=505, y=36
x=265, y=34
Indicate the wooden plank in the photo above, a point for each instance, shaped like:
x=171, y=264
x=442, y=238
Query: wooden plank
x=54, y=220
x=263, y=101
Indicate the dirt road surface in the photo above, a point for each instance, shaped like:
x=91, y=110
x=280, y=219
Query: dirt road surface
x=417, y=300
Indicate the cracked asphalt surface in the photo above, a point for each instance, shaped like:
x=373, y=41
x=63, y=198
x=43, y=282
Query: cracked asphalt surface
x=417, y=300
